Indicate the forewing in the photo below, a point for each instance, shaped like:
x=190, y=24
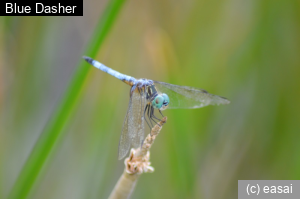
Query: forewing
x=137, y=124
x=125, y=142
x=133, y=126
x=188, y=97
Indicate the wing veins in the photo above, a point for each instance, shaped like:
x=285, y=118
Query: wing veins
x=189, y=97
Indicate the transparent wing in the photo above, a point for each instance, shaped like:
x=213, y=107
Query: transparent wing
x=137, y=124
x=133, y=126
x=188, y=97
x=124, y=143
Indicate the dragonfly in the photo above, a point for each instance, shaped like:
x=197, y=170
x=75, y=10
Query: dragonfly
x=146, y=96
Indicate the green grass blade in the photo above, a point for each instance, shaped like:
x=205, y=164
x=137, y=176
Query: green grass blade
x=54, y=128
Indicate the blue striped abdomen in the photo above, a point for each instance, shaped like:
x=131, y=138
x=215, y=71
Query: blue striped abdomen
x=125, y=78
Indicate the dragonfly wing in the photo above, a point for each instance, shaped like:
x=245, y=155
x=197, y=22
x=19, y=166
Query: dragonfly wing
x=133, y=126
x=124, y=143
x=138, y=122
x=188, y=97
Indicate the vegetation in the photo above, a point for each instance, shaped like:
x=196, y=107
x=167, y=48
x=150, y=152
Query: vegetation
x=60, y=124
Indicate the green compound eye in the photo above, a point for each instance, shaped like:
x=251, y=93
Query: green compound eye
x=158, y=101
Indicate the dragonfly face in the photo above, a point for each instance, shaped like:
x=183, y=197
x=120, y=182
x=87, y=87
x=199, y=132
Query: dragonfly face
x=161, y=102
x=157, y=100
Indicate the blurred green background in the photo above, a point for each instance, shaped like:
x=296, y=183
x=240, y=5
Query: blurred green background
x=247, y=51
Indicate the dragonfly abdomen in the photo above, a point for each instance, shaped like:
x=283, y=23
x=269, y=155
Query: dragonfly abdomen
x=125, y=78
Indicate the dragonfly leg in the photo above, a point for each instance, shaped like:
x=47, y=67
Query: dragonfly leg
x=140, y=90
x=161, y=113
x=154, y=120
x=147, y=106
x=149, y=116
x=152, y=116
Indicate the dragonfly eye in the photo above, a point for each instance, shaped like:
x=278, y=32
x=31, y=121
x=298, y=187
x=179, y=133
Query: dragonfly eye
x=166, y=102
x=166, y=99
x=158, y=101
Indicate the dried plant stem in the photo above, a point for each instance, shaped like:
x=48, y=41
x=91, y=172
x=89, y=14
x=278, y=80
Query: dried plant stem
x=136, y=164
x=124, y=186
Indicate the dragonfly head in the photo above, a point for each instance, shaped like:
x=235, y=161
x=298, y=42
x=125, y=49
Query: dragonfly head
x=161, y=101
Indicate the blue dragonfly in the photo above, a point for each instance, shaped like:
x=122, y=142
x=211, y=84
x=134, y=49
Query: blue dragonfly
x=146, y=96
